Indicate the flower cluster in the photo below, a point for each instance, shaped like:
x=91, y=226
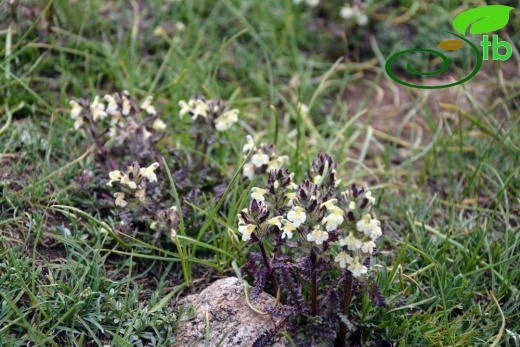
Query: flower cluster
x=359, y=231
x=310, y=213
x=117, y=117
x=120, y=107
x=209, y=112
x=133, y=182
x=255, y=219
x=263, y=158
x=354, y=12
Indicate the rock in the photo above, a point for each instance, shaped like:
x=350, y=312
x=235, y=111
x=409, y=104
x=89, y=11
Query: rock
x=229, y=313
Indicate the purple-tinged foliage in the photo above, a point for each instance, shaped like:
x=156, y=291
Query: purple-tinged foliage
x=280, y=310
x=371, y=287
x=260, y=276
x=293, y=290
x=265, y=339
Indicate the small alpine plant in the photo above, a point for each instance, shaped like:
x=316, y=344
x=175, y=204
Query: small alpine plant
x=117, y=124
x=315, y=251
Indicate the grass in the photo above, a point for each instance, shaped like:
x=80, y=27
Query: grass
x=447, y=180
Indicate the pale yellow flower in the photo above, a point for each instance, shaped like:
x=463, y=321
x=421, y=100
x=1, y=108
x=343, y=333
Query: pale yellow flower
x=145, y=134
x=125, y=180
x=78, y=123
x=127, y=105
x=249, y=170
x=112, y=132
x=98, y=110
x=288, y=229
x=362, y=19
x=297, y=215
x=275, y=221
x=370, y=198
x=149, y=172
x=246, y=231
x=222, y=123
x=120, y=199
x=249, y=145
x=258, y=193
x=140, y=194
x=347, y=12
x=334, y=219
x=114, y=177
x=357, y=268
x=196, y=107
x=368, y=247
x=76, y=109
x=259, y=159
x=370, y=227
x=278, y=162
x=158, y=125
x=231, y=233
x=317, y=236
x=343, y=259
x=232, y=115
x=185, y=108
x=329, y=203
x=292, y=198
x=351, y=242
x=180, y=26
x=200, y=109
x=147, y=105
x=112, y=107
x=227, y=119
x=75, y=113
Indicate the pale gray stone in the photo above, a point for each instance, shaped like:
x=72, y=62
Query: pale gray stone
x=229, y=313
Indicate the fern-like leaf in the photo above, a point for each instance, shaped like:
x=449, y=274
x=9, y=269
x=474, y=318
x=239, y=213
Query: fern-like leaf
x=292, y=287
x=280, y=310
x=260, y=277
x=265, y=339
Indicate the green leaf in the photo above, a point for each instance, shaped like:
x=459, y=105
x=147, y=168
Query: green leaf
x=482, y=19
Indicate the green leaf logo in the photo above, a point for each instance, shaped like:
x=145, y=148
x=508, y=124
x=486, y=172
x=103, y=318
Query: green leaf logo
x=482, y=19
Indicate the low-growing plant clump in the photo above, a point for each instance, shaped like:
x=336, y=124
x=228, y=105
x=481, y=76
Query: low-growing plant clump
x=316, y=249
x=126, y=136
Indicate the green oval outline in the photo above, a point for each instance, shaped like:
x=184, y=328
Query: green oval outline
x=444, y=58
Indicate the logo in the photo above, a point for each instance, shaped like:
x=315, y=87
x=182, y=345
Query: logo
x=480, y=20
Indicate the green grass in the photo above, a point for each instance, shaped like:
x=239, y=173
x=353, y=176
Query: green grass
x=449, y=203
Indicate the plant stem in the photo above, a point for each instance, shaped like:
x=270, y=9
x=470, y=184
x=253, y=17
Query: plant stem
x=314, y=288
x=204, y=151
x=195, y=147
x=268, y=266
x=347, y=297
